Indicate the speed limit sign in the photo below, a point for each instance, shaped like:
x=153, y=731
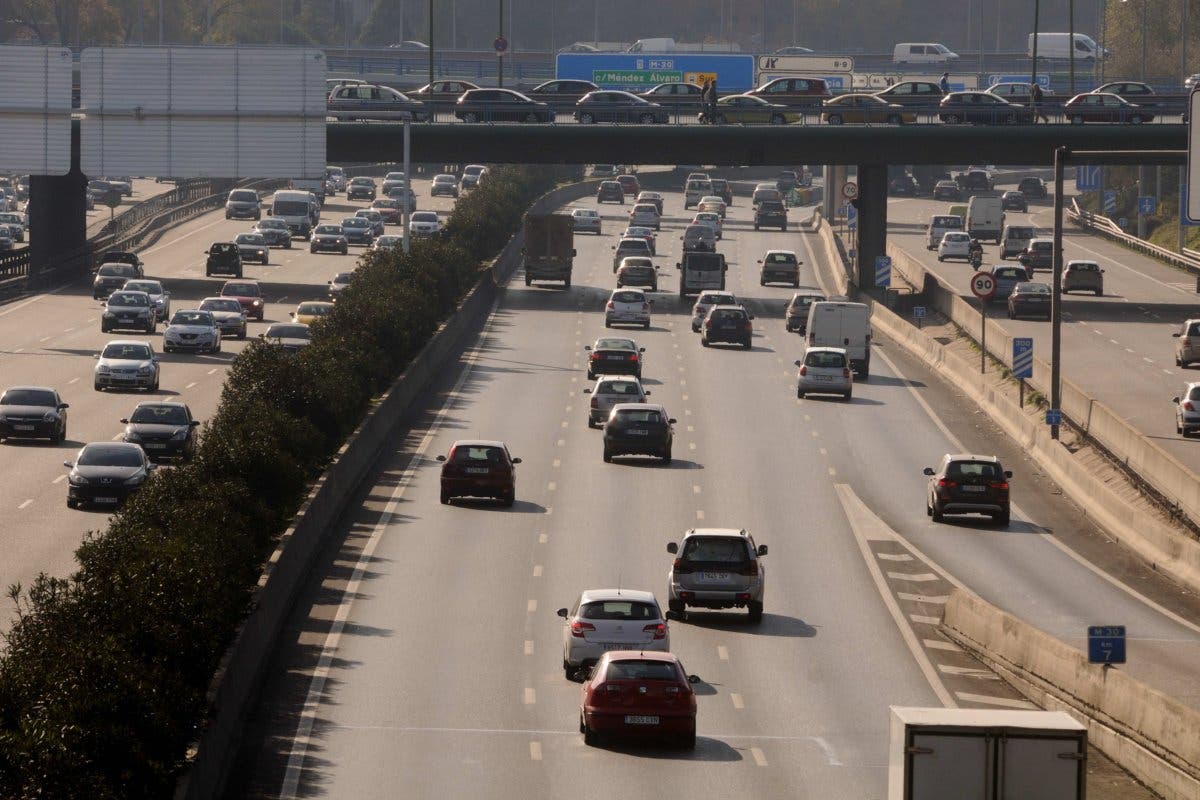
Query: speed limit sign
x=850, y=190
x=983, y=285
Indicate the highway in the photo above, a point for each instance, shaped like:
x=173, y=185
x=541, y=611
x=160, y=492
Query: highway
x=424, y=654
x=50, y=340
x=1118, y=347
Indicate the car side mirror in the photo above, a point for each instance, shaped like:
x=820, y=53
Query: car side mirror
x=694, y=679
x=671, y=421
x=441, y=458
x=97, y=356
x=929, y=470
x=614, y=247
x=1174, y=399
x=762, y=549
x=672, y=548
x=587, y=347
x=587, y=391
x=647, y=393
x=68, y=464
x=759, y=261
x=151, y=467
x=798, y=363
x=1008, y=473
x=678, y=265
x=194, y=423
x=516, y=461
x=562, y=612
x=262, y=336
x=124, y=420
x=63, y=406
x=1176, y=335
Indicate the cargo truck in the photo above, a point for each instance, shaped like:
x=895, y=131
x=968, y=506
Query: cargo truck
x=549, y=251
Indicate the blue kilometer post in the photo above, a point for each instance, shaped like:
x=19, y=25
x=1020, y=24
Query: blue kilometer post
x=1106, y=644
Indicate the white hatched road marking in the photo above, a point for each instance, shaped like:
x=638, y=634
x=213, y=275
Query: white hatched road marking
x=894, y=556
x=967, y=672
x=923, y=598
x=925, y=619
x=759, y=758
x=920, y=577
x=1005, y=702
x=938, y=644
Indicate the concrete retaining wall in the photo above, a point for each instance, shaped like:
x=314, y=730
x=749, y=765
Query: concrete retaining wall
x=1150, y=734
x=235, y=687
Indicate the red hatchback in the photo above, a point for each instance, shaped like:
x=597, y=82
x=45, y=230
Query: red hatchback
x=629, y=185
x=640, y=694
x=249, y=294
x=479, y=469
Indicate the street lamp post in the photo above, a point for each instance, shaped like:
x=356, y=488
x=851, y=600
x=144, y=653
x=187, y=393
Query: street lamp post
x=1037, y=9
x=1071, y=41
x=500, y=55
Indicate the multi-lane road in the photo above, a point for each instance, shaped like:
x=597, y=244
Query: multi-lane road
x=424, y=656
x=1118, y=347
x=51, y=340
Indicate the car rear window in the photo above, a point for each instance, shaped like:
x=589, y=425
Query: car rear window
x=27, y=397
x=160, y=415
x=614, y=344
x=721, y=549
x=771, y=206
x=466, y=453
x=825, y=359
x=728, y=313
x=1032, y=288
x=629, y=388
x=192, y=318
x=618, y=609
x=1020, y=233
x=641, y=671
x=287, y=331
x=947, y=222
x=781, y=258
x=718, y=300
x=1009, y=272
x=1084, y=267
x=973, y=469
x=1041, y=245
x=629, y=297
x=638, y=415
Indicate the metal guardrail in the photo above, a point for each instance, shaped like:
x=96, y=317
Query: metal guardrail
x=1188, y=259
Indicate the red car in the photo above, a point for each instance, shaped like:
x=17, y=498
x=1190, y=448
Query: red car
x=629, y=185
x=248, y=294
x=640, y=694
x=479, y=469
x=389, y=209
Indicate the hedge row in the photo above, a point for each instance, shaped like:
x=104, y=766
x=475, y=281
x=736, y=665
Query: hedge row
x=103, y=681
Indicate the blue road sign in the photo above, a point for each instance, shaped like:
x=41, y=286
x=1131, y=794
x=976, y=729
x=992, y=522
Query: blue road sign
x=1183, y=203
x=883, y=270
x=919, y=312
x=852, y=225
x=1110, y=201
x=1053, y=417
x=1106, y=644
x=642, y=71
x=853, y=255
x=841, y=210
x=1022, y=357
x=1147, y=203
x=1087, y=176
x=851, y=212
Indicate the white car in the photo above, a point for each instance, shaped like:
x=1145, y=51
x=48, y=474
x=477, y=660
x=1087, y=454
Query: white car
x=126, y=364
x=710, y=218
x=954, y=244
x=610, y=390
x=646, y=215
x=387, y=242
x=339, y=282
x=423, y=223
x=824, y=370
x=159, y=297
x=707, y=299
x=713, y=203
x=611, y=619
x=192, y=329
x=228, y=313
x=586, y=219
x=627, y=307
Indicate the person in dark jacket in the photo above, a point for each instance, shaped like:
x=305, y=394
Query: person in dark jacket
x=709, y=103
x=1035, y=102
x=944, y=83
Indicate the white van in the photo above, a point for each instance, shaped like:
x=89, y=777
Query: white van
x=665, y=44
x=924, y=53
x=1057, y=46
x=985, y=217
x=299, y=209
x=846, y=325
x=938, y=225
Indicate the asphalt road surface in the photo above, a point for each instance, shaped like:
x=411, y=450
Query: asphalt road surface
x=424, y=655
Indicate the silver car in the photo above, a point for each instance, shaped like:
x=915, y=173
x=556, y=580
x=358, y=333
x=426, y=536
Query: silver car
x=699, y=237
x=160, y=298
x=124, y=364
x=1083, y=276
x=704, y=303
x=243, y=203
x=611, y=619
x=228, y=314
x=717, y=568
x=610, y=390
x=253, y=247
x=824, y=370
x=627, y=307
x=192, y=329
x=1187, y=349
x=128, y=310
x=630, y=246
x=586, y=219
x=377, y=224
x=444, y=184
x=1187, y=410
x=339, y=282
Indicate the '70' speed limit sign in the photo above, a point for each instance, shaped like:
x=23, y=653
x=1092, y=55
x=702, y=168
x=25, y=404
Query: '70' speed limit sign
x=983, y=285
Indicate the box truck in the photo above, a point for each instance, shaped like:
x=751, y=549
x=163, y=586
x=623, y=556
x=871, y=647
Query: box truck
x=549, y=251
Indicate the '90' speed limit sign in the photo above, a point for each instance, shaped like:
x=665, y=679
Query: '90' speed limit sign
x=983, y=285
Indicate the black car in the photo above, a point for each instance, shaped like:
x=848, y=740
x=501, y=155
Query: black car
x=1033, y=187
x=639, y=429
x=561, y=95
x=1014, y=201
x=500, y=105
x=124, y=257
x=275, y=232
x=947, y=190
x=105, y=473
x=32, y=412
x=982, y=108
x=610, y=191
x=904, y=186
x=770, y=213
x=728, y=324
x=224, y=258
x=111, y=277
x=614, y=106
x=164, y=430
x=361, y=189
x=974, y=179
x=968, y=484
x=612, y=356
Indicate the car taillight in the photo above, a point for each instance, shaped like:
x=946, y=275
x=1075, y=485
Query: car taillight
x=945, y=484
x=999, y=485
x=1187, y=406
x=633, y=357
x=595, y=402
x=708, y=323
x=1186, y=342
x=747, y=326
x=609, y=305
x=803, y=371
x=659, y=630
x=578, y=629
x=812, y=338
x=846, y=373
x=595, y=356
x=681, y=567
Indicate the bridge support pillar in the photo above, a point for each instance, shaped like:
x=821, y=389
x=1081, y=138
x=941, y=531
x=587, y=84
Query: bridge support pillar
x=57, y=221
x=872, y=220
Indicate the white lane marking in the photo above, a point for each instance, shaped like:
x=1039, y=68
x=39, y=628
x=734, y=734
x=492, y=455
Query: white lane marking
x=25, y=504
x=561, y=443
x=569, y=409
x=722, y=652
x=557, y=462
x=543, y=538
x=189, y=386
x=695, y=488
x=531, y=606
x=535, y=751
x=1128, y=350
x=699, y=515
x=551, y=486
x=73, y=380
x=211, y=371
x=530, y=695
x=920, y=577
x=1006, y=702
x=19, y=350
x=925, y=620
x=564, y=423
x=759, y=758
x=316, y=687
x=1148, y=360
x=60, y=478
x=691, y=445
x=936, y=599
x=938, y=644
x=44, y=339
x=117, y=437
x=537, y=570
x=894, y=556
x=737, y=700
x=529, y=647
x=832, y=472
x=823, y=451
x=974, y=673
x=68, y=330
x=1114, y=341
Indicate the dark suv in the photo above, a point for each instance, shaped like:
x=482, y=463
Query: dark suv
x=639, y=429
x=721, y=188
x=1038, y=254
x=1033, y=187
x=770, y=213
x=224, y=258
x=610, y=191
x=727, y=324
x=968, y=484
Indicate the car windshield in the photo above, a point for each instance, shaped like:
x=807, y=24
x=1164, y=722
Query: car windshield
x=191, y=318
x=628, y=297
x=803, y=300
x=129, y=299
x=632, y=415
x=290, y=208
x=1194, y=393
x=395, y=176
x=127, y=352
x=216, y=304
x=618, y=609
x=355, y=222
x=973, y=469
x=425, y=216
x=614, y=344
x=1032, y=288
x=343, y=277
x=825, y=359
x=369, y=213
x=771, y=205
x=244, y=196
x=160, y=415
x=464, y=454
x=109, y=455
x=328, y=230
x=641, y=671
x=149, y=287
x=719, y=549
x=28, y=397
x=628, y=388
x=250, y=238
x=117, y=270
x=241, y=290
x=283, y=331
x=315, y=309
x=223, y=249
x=362, y=181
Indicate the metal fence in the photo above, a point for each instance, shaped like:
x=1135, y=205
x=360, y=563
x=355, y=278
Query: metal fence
x=1188, y=259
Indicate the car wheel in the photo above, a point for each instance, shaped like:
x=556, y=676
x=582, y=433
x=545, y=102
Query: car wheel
x=71, y=503
x=646, y=119
x=666, y=457
x=470, y=116
x=529, y=281
x=1077, y=119
x=756, y=612
x=646, y=326
x=445, y=497
x=1001, y=518
x=607, y=456
x=607, y=324
x=894, y=119
x=936, y=513
x=951, y=119
x=834, y=119
x=103, y=328
x=531, y=117
x=848, y=396
x=704, y=341
x=677, y=606
x=778, y=119
x=590, y=737
x=941, y=258
x=508, y=499
x=1099, y=292
x=154, y=388
x=688, y=740
x=756, y=226
x=1135, y=120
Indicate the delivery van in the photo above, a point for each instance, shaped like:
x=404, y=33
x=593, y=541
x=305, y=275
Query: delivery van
x=938, y=225
x=985, y=218
x=846, y=325
x=1057, y=46
x=924, y=53
x=298, y=209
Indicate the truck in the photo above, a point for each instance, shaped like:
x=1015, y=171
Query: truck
x=314, y=185
x=700, y=270
x=836, y=323
x=549, y=251
x=985, y=217
x=991, y=754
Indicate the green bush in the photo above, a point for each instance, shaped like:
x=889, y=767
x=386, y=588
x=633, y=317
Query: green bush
x=103, y=681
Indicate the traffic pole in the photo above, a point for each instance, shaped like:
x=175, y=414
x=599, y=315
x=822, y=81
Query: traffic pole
x=404, y=204
x=1061, y=154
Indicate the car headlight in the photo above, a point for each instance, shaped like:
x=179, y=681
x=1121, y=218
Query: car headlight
x=102, y=369
x=50, y=416
x=145, y=369
x=109, y=315
x=179, y=435
x=77, y=480
x=133, y=436
x=136, y=480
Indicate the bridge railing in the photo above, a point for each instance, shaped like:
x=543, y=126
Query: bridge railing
x=1188, y=259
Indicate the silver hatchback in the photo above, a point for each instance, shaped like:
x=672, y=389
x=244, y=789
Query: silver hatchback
x=824, y=370
x=610, y=390
x=717, y=568
x=611, y=619
x=1187, y=349
x=1187, y=410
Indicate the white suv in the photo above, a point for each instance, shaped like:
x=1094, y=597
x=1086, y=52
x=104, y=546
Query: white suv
x=646, y=214
x=611, y=619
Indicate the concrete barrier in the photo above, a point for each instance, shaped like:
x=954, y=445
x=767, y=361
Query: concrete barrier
x=1149, y=733
x=235, y=686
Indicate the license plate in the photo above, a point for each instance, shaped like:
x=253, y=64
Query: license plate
x=615, y=357
x=619, y=646
x=126, y=319
x=477, y=470
x=106, y=499
x=22, y=427
x=638, y=433
x=154, y=446
x=714, y=577
x=825, y=378
x=974, y=488
x=639, y=719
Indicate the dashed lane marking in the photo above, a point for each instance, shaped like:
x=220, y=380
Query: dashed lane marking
x=529, y=647
x=695, y=488
x=189, y=386
x=940, y=599
x=117, y=437
x=537, y=570
x=60, y=478
x=212, y=371
x=894, y=556
x=25, y=504
x=737, y=700
x=722, y=652
x=535, y=751
x=557, y=462
x=759, y=758
x=531, y=606
x=699, y=514
x=73, y=380
x=543, y=538
x=919, y=577
x=530, y=695
x=551, y=486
